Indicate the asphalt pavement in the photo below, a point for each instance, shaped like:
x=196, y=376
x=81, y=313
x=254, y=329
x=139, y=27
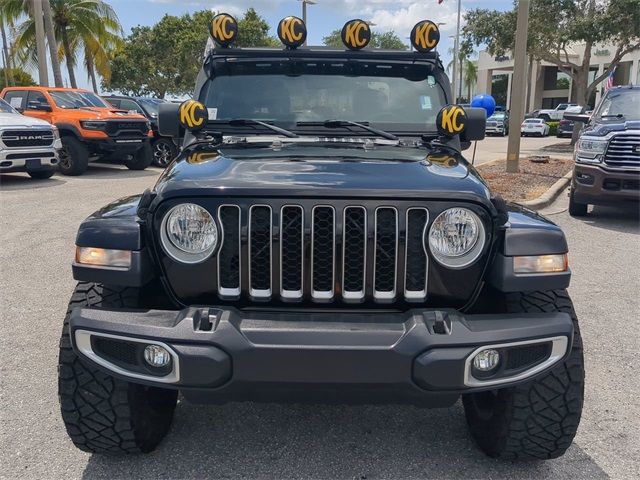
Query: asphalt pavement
x=38, y=225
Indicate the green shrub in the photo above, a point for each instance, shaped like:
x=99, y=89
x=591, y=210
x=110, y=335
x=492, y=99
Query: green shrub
x=553, y=127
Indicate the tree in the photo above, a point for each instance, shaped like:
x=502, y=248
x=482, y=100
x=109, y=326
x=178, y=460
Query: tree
x=19, y=77
x=470, y=69
x=387, y=40
x=465, y=50
x=165, y=59
x=51, y=41
x=556, y=25
x=88, y=26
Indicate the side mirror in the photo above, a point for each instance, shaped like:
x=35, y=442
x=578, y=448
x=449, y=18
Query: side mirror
x=476, y=125
x=42, y=107
x=577, y=117
x=168, y=120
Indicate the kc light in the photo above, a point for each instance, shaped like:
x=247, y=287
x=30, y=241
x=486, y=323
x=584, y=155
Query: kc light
x=103, y=257
x=541, y=264
x=189, y=233
x=456, y=238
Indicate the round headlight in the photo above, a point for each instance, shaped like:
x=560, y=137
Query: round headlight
x=189, y=233
x=456, y=237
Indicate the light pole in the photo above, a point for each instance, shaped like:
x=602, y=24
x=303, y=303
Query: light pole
x=304, y=13
x=456, y=48
x=439, y=24
x=518, y=87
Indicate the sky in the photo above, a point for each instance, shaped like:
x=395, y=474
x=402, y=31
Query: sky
x=322, y=18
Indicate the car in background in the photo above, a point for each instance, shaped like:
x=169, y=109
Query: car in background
x=27, y=144
x=534, y=127
x=607, y=154
x=498, y=124
x=164, y=148
x=90, y=128
x=555, y=114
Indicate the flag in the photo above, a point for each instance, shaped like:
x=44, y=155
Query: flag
x=610, y=79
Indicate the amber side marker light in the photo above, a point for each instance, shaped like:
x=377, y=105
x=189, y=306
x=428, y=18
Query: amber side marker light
x=103, y=257
x=541, y=264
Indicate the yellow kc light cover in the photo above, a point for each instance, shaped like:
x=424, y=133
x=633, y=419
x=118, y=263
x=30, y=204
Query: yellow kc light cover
x=451, y=120
x=193, y=115
x=223, y=29
x=292, y=31
x=356, y=34
x=425, y=36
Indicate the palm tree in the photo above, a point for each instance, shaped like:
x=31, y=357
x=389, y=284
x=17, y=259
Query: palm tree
x=90, y=27
x=470, y=76
x=51, y=41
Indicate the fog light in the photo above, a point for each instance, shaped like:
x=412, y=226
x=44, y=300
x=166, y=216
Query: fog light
x=157, y=356
x=486, y=360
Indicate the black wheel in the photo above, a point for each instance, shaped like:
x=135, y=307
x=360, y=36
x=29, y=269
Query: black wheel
x=538, y=419
x=577, y=209
x=103, y=414
x=141, y=159
x=164, y=150
x=74, y=156
x=42, y=174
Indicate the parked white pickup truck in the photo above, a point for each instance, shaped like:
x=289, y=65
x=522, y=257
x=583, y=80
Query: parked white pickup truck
x=27, y=144
x=555, y=114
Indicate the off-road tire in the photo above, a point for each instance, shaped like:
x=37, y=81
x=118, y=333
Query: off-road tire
x=537, y=419
x=74, y=159
x=141, y=159
x=42, y=174
x=577, y=209
x=103, y=414
x=164, y=150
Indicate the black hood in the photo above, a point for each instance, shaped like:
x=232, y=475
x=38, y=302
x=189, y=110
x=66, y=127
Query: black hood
x=322, y=170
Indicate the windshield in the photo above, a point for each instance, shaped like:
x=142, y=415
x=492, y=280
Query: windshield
x=68, y=99
x=5, y=107
x=621, y=103
x=398, y=98
x=497, y=116
x=151, y=105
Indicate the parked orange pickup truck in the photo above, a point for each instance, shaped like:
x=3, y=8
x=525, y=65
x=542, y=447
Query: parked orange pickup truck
x=90, y=128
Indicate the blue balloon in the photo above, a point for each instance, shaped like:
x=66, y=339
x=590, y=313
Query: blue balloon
x=484, y=101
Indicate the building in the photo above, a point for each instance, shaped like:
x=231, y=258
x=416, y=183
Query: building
x=548, y=86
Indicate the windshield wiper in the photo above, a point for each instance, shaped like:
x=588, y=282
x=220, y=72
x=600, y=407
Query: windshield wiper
x=617, y=115
x=251, y=121
x=349, y=123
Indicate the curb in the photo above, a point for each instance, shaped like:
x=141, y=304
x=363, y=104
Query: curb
x=548, y=197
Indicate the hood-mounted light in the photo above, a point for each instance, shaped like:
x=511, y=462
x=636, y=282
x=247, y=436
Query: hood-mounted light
x=425, y=36
x=292, y=32
x=356, y=34
x=223, y=29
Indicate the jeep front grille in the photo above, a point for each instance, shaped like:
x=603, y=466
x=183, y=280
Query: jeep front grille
x=623, y=151
x=322, y=253
x=27, y=138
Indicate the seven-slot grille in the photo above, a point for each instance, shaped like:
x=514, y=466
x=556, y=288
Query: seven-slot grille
x=322, y=253
x=27, y=138
x=623, y=151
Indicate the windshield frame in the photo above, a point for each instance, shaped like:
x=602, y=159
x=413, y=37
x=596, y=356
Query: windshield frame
x=57, y=97
x=221, y=66
x=6, y=108
x=597, y=113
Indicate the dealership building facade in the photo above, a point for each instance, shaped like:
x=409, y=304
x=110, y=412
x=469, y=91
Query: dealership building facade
x=547, y=86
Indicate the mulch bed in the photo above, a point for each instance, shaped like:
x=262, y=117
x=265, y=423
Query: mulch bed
x=532, y=181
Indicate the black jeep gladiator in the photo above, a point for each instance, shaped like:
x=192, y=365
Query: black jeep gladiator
x=321, y=238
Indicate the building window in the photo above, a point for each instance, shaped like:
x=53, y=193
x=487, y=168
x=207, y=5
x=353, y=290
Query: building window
x=554, y=79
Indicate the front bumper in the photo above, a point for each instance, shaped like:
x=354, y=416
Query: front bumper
x=32, y=159
x=594, y=185
x=494, y=130
x=221, y=354
x=118, y=145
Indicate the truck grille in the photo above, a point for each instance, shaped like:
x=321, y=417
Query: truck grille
x=623, y=151
x=117, y=128
x=27, y=138
x=322, y=252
